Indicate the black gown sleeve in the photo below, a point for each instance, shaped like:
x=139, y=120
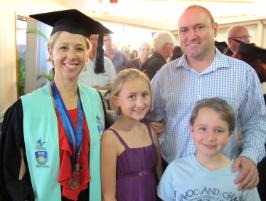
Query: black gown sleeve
x=262, y=176
x=11, y=142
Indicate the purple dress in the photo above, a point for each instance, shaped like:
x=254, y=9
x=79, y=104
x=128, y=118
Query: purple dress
x=135, y=172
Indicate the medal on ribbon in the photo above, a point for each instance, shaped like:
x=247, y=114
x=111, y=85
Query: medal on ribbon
x=75, y=180
x=74, y=137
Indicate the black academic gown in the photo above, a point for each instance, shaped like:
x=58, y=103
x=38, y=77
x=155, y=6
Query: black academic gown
x=11, y=142
x=262, y=175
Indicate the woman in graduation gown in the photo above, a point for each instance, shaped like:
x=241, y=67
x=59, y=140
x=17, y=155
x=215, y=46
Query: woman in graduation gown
x=50, y=141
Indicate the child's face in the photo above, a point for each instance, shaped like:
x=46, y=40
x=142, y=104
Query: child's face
x=210, y=133
x=134, y=98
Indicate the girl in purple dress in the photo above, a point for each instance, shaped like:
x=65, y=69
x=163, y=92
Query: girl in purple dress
x=130, y=155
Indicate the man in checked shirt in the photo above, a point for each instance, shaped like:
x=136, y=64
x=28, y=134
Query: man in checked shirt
x=204, y=72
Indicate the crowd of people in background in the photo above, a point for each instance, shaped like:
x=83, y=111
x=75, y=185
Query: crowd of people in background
x=180, y=110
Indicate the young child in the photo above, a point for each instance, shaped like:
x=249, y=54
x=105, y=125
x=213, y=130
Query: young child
x=207, y=174
x=130, y=155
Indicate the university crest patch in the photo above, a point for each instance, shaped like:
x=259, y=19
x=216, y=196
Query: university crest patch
x=41, y=153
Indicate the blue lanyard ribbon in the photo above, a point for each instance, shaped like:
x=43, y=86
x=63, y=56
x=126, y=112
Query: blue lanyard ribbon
x=74, y=137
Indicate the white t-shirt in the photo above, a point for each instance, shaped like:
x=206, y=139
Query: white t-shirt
x=89, y=78
x=186, y=179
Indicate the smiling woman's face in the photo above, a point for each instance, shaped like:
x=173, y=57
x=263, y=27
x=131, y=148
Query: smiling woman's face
x=68, y=54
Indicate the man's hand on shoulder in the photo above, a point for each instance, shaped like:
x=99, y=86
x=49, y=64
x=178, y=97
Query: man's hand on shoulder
x=248, y=176
x=158, y=127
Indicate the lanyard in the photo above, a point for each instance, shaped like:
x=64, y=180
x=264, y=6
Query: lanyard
x=74, y=137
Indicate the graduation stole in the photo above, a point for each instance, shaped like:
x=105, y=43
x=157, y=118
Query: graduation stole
x=42, y=143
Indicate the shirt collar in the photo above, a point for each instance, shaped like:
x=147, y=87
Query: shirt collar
x=220, y=61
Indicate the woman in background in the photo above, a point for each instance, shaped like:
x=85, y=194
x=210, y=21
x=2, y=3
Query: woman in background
x=144, y=53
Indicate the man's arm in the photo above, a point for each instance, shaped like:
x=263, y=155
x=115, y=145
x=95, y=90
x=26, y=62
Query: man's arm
x=252, y=114
x=156, y=112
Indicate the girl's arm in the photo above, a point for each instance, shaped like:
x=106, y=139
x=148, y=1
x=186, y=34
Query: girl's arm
x=108, y=166
x=159, y=161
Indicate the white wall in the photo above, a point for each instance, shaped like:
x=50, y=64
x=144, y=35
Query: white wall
x=256, y=29
x=8, y=90
x=8, y=64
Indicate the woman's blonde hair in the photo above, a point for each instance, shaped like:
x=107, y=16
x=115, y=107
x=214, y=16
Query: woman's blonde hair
x=121, y=78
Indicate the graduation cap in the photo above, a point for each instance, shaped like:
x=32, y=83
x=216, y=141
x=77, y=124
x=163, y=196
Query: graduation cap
x=251, y=51
x=222, y=46
x=72, y=21
x=221, y=43
x=255, y=56
x=76, y=22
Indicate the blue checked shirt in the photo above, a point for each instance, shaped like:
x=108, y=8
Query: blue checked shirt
x=177, y=87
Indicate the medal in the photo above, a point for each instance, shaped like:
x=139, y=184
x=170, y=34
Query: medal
x=74, y=182
x=74, y=136
x=77, y=170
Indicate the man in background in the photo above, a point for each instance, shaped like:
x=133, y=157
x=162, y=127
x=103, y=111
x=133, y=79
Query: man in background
x=119, y=59
x=236, y=33
x=100, y=76
x=163, y=44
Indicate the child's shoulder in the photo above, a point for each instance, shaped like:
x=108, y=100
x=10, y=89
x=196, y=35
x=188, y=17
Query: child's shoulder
x=145, y=126
x=181, y=161
x=109, y=135
x=178, y=167
x=188, y=158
